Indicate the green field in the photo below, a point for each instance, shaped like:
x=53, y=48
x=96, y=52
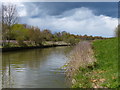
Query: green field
x=104, y=73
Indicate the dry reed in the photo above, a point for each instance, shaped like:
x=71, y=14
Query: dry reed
x=81, y=56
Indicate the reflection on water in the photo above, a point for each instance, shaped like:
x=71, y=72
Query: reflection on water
x=37, y=68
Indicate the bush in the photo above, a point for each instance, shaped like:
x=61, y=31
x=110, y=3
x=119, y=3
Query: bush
x=72, y=40
x=20, y=41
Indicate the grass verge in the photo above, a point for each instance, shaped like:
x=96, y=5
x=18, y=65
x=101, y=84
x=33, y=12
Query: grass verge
x=106, y=53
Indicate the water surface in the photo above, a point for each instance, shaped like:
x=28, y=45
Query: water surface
x=36, y=68
x=0, y=70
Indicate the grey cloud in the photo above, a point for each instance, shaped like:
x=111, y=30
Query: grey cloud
x=39, y=9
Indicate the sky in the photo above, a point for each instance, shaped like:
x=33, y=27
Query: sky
x=80, y=18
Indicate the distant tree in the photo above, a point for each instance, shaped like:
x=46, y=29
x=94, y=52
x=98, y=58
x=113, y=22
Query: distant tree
x=72, y=40
x=19, y=33
x=36, y=36
x=66, y=35
x=55, y=38
x=9, y=17
x=47, y=35
x=58, y=36
x=64, y=32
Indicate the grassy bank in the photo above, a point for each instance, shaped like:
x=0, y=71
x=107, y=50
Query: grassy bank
x=103, y=72
x=106, y=72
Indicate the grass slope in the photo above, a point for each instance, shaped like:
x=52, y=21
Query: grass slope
x=104, y=73
x=106, y=53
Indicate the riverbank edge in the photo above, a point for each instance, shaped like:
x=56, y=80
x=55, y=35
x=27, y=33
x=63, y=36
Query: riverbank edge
x=81, y=59
x=96, y=75
x=31, y=47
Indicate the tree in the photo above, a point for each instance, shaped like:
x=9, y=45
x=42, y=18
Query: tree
x=58, y=36
x=0, y=26
x=72, y=40
x=9, y=18
x=36, y=36
x=47, y=34
x=117, y=31
x=19, y=33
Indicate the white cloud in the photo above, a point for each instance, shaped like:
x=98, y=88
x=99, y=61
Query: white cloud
x=22, y=10
x=78, y=21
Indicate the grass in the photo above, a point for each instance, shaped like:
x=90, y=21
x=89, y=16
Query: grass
x=106, y=53
x=104, y=72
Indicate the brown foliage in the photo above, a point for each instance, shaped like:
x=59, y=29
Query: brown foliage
x=80, y=57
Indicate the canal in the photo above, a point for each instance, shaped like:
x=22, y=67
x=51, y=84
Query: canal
x=35, y=68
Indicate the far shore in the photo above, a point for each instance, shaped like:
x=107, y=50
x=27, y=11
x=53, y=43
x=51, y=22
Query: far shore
x=31, y=47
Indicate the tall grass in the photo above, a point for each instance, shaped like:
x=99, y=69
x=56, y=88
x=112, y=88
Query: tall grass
x=80, y=57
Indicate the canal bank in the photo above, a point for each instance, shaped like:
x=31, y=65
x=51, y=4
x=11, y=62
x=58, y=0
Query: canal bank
x=81, y=58
x=94, y=65
x=31, y=47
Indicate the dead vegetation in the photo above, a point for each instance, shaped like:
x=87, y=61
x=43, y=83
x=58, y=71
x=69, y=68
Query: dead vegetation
x=80, y=57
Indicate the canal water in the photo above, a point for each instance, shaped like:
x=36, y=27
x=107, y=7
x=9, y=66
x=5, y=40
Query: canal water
x=0, y=70
x=35, y=68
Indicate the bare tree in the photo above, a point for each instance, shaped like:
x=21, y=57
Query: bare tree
x=0, y=23
x=9, y=17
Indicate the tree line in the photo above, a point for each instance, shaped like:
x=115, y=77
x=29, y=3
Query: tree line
x=22, y=33
x=35, y=36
